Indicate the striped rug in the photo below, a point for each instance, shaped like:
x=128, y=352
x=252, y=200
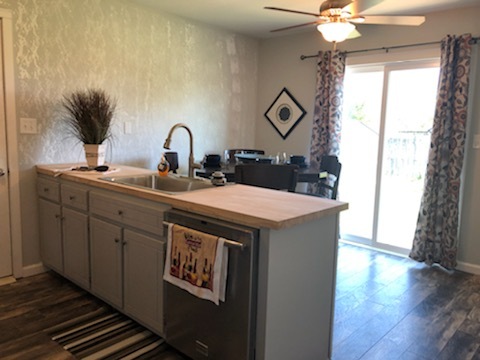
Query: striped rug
x=110, y=335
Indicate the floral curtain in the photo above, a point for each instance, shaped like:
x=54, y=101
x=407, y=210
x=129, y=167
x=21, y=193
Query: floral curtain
x=328, y=106
x=435, y=239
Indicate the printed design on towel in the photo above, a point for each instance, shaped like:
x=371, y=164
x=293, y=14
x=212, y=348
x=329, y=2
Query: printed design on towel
x=196, y=262
x=193, y=256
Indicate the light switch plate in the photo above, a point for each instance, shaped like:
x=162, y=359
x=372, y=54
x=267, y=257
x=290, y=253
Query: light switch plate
x=28, y=126
x=476, y=141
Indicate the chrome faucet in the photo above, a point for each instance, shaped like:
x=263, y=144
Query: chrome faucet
x=191, y=162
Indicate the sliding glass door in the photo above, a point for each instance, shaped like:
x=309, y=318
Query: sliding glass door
x=387, y=118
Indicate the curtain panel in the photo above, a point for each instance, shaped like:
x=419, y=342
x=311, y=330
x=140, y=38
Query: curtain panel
x=327, y=114
x=436, y=234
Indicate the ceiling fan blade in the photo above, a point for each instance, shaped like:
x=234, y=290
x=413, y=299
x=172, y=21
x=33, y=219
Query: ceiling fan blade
x=291, y=11
x=295, y=26
x=395, y=20
x=354, y=34
x=357, y=19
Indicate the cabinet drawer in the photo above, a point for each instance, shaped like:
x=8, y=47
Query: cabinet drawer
x=144, y=215
x=48, y=189
x=74, y=196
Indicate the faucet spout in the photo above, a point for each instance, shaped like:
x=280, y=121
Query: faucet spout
x=191, y=161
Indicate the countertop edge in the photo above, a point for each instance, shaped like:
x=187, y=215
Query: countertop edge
x=178, y=201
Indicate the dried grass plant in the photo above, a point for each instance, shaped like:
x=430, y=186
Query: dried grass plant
x=89, y=115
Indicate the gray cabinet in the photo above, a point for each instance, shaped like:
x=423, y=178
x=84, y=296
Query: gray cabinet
x=106, y=261
x=51, y=248
x=110, y=244
x=143, y=278
x=63, y=217
x=76, y=263
x=75, y=247
x=127, y=250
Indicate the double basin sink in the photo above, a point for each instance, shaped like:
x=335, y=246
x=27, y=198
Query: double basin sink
x=166, y=184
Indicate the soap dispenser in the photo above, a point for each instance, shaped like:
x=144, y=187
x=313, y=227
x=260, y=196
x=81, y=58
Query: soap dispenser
x=163, y=166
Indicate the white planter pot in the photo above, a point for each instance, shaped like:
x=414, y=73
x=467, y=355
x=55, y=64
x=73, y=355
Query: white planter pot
x=95, y=154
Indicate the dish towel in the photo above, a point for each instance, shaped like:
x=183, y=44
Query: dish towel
x=196, y=262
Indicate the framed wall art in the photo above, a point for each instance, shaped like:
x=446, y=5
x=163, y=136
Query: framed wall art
x=285, y=113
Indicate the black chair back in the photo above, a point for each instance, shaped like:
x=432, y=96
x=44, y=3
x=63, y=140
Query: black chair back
x=328, y=186
x=278, y=177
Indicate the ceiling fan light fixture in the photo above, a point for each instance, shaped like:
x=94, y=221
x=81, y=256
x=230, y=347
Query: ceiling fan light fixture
x=335, y=31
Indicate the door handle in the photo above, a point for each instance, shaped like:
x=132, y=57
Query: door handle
x=2, y=172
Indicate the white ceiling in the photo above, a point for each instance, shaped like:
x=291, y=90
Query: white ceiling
x=248, y=16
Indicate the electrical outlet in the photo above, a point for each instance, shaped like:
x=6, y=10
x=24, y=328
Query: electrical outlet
x=28, y=126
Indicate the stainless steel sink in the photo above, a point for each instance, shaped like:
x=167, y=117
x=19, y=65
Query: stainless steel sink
x=165, y=184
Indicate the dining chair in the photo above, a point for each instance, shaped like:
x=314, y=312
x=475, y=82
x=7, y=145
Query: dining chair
x=278, y=177
x=330, y=169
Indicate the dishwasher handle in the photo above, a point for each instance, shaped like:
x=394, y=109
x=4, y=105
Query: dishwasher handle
x=228, y=243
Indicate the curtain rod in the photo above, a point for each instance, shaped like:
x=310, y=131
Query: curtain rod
x=387, y=49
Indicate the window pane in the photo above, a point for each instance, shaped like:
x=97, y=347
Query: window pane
x=358, y=155
x=409, y=119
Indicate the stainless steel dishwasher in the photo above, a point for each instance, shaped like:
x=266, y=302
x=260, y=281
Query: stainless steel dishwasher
x=199, y=328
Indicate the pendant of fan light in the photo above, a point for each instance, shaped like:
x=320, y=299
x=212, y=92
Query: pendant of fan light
x=336, y=25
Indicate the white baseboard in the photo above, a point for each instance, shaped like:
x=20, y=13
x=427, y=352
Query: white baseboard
x=34, y=269
x=7, y=280
x=469, y=268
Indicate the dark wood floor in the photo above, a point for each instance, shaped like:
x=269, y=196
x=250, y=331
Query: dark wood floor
x=387, y=307
x=34, y=304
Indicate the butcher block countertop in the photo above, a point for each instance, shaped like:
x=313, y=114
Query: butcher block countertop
x=247, y=205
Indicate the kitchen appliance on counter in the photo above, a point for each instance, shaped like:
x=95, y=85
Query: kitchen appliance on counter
x=199, y=328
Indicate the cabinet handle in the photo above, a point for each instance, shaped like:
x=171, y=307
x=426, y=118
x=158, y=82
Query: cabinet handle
x=120, y=212
x=46, y=190
x=124, y=243
x=117, y=240
x=71, y=197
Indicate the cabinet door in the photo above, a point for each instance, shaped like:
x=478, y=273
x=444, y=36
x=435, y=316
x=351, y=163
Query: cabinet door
x=51, y=234
x=75, y=247
x=143, y=274
x=106, y=261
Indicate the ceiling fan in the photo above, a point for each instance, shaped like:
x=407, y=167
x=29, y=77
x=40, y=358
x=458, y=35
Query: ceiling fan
x=336, y=22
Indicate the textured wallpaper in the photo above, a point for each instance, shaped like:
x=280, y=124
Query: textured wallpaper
x=160, y=68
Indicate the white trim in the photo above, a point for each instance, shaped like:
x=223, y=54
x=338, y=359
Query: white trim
x=11, y=122
x=34, y=269
x=461, y=266
x=469, y=268
x=7, y=280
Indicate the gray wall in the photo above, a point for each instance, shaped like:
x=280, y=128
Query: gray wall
x=280, y=66
x=160, y=68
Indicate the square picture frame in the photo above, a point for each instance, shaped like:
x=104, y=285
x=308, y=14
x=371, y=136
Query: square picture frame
x=285, y=113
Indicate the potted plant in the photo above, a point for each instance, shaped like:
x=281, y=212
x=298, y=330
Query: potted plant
x=89, y=115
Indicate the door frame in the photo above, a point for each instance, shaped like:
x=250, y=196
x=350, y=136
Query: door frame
x=12, y=142
x=389, y=61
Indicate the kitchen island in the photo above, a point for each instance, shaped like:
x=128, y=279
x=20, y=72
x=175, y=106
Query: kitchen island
x=297, y=253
